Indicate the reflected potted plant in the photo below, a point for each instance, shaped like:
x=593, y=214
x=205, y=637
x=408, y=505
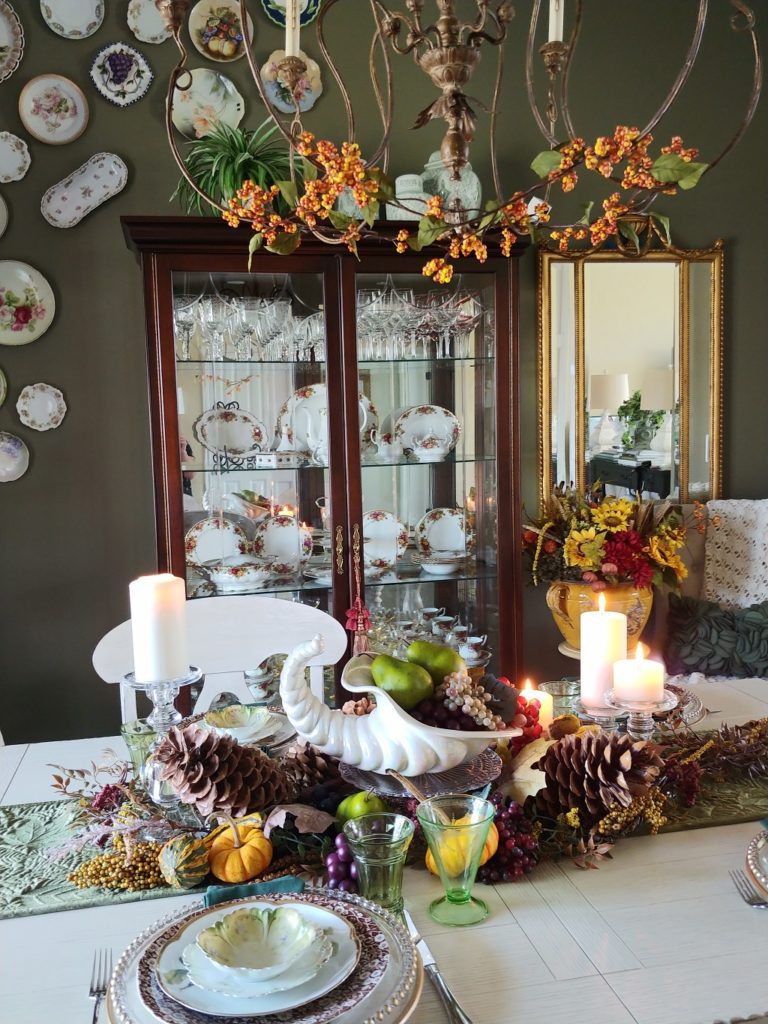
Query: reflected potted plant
x=640, y=425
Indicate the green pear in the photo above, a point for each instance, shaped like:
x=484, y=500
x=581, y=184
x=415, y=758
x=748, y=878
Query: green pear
x=405, y=683
x=437, y=659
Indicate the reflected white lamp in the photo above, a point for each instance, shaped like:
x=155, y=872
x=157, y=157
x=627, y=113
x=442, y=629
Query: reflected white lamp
x=607, y=391
x=657, y=393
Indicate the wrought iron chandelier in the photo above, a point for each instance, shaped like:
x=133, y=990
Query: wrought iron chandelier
x=448, y=49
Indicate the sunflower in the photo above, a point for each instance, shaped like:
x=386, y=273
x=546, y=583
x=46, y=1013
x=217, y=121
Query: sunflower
x=584, y=548
x=664, y=554
x=614, y=515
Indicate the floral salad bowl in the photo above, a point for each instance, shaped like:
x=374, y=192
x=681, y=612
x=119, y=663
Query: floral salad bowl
x=257, y=943
x=238, y=572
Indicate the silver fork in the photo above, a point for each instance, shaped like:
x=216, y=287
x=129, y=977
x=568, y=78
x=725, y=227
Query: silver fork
x=100, y=975
x=748, y=893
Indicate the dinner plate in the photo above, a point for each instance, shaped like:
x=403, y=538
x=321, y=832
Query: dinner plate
x=302, y=418
x=146, y=22
x=41, y=407
x=233, y=432
x=384, y=538
x=11, y=40
x=14, y=157
x=757, y=861
x=307, y=90
x=421, y=422
x=442, y=529
x=209, y=98
x=216, y=30
x=28, y=305
x=212, y=539
x=53, y=109
x=73, y=19
x=283, y=542
x=66, y=203
x=121, y=74
x=14, y=457
x=275, y=11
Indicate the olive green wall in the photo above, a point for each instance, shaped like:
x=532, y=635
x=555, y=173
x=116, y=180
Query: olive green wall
x=79, y=525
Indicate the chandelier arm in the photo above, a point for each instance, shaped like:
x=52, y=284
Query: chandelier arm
x=492, y=125
x=529, y=84
x=383, y=146
x=415, y=33
x=324, y=8
x=385, y=109
x=565, y=106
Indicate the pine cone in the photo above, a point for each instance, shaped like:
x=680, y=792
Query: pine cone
x=216, y=773
x=595, y=772
x=306, y=766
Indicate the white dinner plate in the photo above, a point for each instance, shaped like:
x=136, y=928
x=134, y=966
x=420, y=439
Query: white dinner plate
x=281, y=541
x=303, y=418
x=27, y=305
x=11, y=40
x=14, y=157
x=207, y=99
x=216, y=30
x=73, y=19
x=53, y=109
x=384, y=539
x=146, y=22
x=233, y=432
x=214, y=538
x=41, y=407
x=443, y=530
x=14, y=457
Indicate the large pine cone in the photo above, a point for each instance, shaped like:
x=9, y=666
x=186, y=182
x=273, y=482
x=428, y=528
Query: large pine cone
x=594, y=772
x=216, y=773
x=306, y=767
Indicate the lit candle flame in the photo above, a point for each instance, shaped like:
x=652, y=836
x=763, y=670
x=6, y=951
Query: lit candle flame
x=529, y=690
x=640, y=653
x=601, y=602
x=643, y=650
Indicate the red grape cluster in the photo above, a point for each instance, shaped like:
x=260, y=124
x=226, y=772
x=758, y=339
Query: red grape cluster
x=435, y=713
x=518, y=851
x=120, y=64
x=527, y=719
x=341, y=867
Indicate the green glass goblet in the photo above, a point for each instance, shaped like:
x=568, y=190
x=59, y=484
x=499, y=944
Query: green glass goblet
x=379, y=844
x=456, y=827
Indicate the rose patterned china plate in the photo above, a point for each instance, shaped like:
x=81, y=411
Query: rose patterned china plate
x=309, y=88
x=275, y=11
x=757, y=861
x=301, y=418
x=210, y=98
x=41, y=407
x=422, y=422
x=145, y=20
x=66, y=203
x=216, y=30
x=234, y=432
x=73, y=19
x=53, y=109
x=14, y=457
x=282, y=541
x=27, y=305
x=11, y=40
x=385, y=539
x=14, y=157
x=121, y=74
x=443, y=530
x=213, y=539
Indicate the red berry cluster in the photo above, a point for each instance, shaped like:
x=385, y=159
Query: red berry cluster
x=518, y=851
x=527, y=719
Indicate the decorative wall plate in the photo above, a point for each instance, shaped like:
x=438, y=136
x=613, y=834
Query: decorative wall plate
x=14, y=457
x=234, y=432
x=11, y=40
x=216, y=30
x=41, y=407
x=27, y=304
x=282, y=540
x=66, y=203
x=53, y=109
x=308, y=90
x=275, y=11
x=213, y=539
x=301, y=417
x=3, y=216
x=3, y=387
x=442, y=529
x=384, y=537
x=210, y=98
x=73, y=19
x=14, y=157
x=145, y=20
x=121, y=74
x=421, y=422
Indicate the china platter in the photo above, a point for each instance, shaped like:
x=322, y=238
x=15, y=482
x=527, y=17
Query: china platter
x=121, y=74
x=302, y=418
x=463, y=778
x=386, y=985
x=41, y=407
x=14, y=157
x=209, y=98
x=27, y=305
x=385, y=539
x=216, y=30
x=420, y=423
x=234, y=432
x=14, y=457
x=308, y=89
x=283, y=542
x=442, y=529
x=275, y=11
x=213, y=539
x=11, y=40
x=66, y=203
x=73, y=19
x=53, y=109
x=145, y=20
x=757, y=861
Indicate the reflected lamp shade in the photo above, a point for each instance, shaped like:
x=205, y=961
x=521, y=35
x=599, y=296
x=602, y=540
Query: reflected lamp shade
x=657, y=391
x=607, y=391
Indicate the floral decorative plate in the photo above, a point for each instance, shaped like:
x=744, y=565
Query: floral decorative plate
x=121, y=74
x=385, y=539
x=53, y=109
x=234, y=432
x=210, y=98
x=66, y=203
x=3, y=387
x=284, y=542
x=308, y=90
x=14, y=157
x=216, y=30
x=73, y=19
x=3, y=216
x=213, y=539
x=26, y=303
x=442, y=529
x=421, y=422
x=14, y=457
x=11, y=40
x=41, y=407
x=145, y=20
x=275, y=11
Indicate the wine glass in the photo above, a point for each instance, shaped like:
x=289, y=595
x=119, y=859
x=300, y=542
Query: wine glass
x=184, y=310
x=215, y=315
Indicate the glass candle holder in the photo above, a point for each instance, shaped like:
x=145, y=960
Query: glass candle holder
x=379, y=844
x=563, y=692
x=456, y=827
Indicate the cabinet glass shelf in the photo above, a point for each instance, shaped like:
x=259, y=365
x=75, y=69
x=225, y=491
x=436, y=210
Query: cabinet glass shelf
x=183, y=364
x=304, y=467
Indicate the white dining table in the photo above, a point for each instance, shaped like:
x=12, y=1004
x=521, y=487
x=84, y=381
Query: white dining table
x=657, y=935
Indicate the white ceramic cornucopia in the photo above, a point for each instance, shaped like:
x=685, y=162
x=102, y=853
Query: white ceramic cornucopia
x=388, y=738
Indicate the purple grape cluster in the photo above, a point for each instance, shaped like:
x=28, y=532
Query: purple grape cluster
x=120, y=64
x=518, y=850
x=435, y=713
x=340, y=866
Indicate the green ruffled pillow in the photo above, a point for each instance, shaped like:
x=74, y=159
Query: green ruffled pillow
x=703, y=637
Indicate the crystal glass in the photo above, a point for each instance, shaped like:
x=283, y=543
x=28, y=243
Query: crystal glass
x=379, y=844
x=215, y=316
x=184, y=310
x=564, y=692
x=456, y=828
x=138, y=737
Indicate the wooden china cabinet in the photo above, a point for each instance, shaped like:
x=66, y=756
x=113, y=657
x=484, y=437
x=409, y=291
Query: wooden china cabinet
x=323, y=356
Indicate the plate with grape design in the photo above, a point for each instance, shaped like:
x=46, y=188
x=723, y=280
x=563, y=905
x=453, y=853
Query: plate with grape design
x=121, y=74
x=27, y=304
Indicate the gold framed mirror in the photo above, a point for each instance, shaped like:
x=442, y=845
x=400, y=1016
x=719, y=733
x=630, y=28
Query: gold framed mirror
x=630, y=376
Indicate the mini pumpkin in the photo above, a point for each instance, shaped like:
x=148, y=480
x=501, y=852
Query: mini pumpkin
x=183, y=861
x=238, y=850
x=454, y=853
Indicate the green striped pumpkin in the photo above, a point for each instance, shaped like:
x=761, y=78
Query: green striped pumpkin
x=184, y=861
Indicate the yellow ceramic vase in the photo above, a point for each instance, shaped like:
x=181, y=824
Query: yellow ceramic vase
x=567, y=600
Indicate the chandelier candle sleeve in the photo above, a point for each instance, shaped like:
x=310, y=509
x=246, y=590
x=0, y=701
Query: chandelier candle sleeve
x=292, y=28
x=638, y=679
x=159, y=627
x=546, y=701
x=556, y=18
x=603, y=642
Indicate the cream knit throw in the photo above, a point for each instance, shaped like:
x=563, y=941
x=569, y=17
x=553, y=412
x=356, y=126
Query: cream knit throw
x=736, y=553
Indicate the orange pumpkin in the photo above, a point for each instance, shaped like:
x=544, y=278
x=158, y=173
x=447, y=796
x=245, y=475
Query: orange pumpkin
x=457, y=854
x=238, y=850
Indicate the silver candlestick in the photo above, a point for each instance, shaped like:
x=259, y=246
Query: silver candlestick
x=640, y=724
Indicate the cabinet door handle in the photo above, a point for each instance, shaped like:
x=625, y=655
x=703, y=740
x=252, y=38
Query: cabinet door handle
x=339, y=551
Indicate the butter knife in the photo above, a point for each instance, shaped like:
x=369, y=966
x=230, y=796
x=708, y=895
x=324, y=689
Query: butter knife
x=452, y=1009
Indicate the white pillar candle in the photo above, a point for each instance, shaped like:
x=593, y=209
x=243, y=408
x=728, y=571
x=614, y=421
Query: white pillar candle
x=159, y=626
x=292, y=28
x=638, y=679
x=603, y=642
x=556, y=17
x=546, y=710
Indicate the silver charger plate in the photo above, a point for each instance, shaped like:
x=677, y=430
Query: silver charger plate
x=463, y=778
